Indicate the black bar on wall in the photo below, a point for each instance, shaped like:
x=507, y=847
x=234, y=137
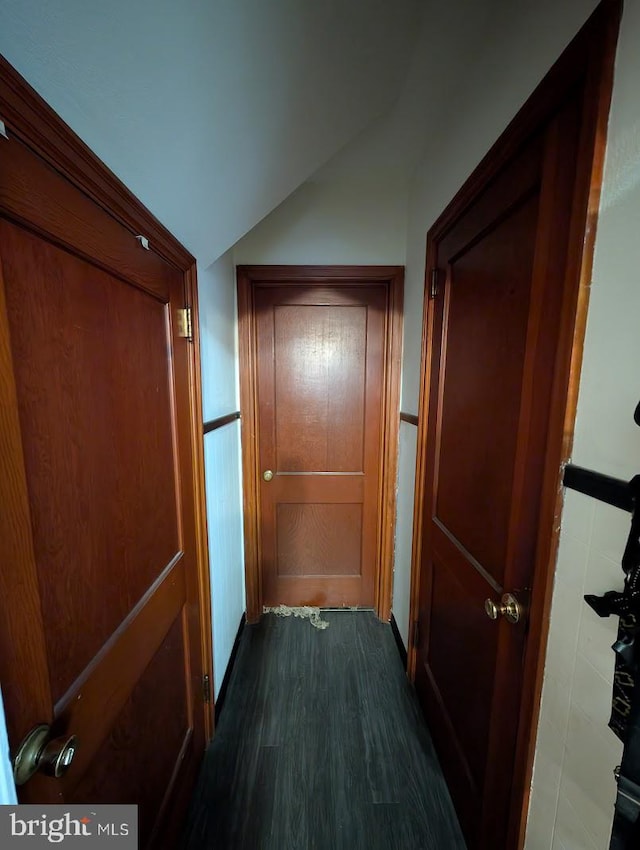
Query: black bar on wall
x=411, y=418
x=213, y=424
x=613, y=491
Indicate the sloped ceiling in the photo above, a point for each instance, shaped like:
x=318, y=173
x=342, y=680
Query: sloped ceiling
x=213, y=111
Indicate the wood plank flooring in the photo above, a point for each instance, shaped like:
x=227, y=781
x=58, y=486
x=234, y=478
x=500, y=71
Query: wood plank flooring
x=321, y=745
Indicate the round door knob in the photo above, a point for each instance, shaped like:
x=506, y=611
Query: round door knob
x=39, y=752
x=493, y=611
x=509, y=608
x=267, y=475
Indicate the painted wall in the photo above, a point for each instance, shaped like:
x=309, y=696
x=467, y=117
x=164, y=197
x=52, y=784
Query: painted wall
x=7, y=788
x=404, y=528
x=332, y=222
x=212, y=113
x=218, y=330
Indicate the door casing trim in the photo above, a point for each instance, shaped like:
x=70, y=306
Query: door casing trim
x=393, y=277
x=588, y=59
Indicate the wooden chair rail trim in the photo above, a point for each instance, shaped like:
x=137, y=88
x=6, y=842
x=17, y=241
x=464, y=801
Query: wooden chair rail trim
x=220, y=422
x=410, y=418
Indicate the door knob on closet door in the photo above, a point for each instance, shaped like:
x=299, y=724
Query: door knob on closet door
x=267, y=475
x=38, y=752
x=508, y=607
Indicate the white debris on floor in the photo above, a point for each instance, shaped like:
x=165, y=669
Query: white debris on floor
x=305, y=612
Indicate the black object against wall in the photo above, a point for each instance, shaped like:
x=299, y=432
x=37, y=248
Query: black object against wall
x=625, y=604
x=605, y=488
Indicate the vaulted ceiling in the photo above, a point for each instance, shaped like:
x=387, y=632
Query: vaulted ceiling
x=213, y=111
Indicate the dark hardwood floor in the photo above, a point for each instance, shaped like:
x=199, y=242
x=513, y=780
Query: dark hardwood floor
x=321, y=745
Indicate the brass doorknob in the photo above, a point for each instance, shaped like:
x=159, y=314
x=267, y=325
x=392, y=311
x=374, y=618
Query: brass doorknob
x=509, y=608
x=39, y=752
x=267, y=475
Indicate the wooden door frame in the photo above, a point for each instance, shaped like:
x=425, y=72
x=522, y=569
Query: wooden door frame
x=393, y=278
x=31, y=120
x=588, y=59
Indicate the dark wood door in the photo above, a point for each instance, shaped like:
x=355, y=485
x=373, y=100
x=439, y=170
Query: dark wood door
x=320, y=381
x=101, y=632
x=495, y=325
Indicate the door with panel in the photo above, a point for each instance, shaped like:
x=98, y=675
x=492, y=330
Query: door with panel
x=494, y=327
x=320, y=391
x=101, y=636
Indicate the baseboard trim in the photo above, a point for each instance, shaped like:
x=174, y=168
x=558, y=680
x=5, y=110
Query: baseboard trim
x=227, y=673
x=399, y=642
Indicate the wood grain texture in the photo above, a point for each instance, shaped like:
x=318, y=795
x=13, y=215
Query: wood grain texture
x=321, y=745
x=319, y=392
x=584, y=71
x=115, y=775
x=319, y=539
x=111, y=413
x=92, y=705
x=86, y=375
x=320, y=381
x=489, y=408
x=323, y=279
x=487, y=315
x=21, y=628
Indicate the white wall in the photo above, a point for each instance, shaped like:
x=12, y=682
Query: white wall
x=326, y=222
x=7, y=788
x=573, y=787
x=218, y=333
x=404, y=529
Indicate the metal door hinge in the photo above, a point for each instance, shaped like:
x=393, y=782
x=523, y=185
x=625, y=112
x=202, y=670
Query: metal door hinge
x=434, y=285
x=206, y=688
x=185, y=327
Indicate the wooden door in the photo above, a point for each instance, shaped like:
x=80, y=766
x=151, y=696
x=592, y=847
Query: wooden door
x=506, y=263
x=101, y=633
x=320, y=383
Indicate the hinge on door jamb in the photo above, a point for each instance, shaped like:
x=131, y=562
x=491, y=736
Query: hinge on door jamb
x=185, y=328
x=434, y=285
x=206, y=688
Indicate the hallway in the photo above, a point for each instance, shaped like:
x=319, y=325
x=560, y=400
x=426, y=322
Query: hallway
x=321, y=745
